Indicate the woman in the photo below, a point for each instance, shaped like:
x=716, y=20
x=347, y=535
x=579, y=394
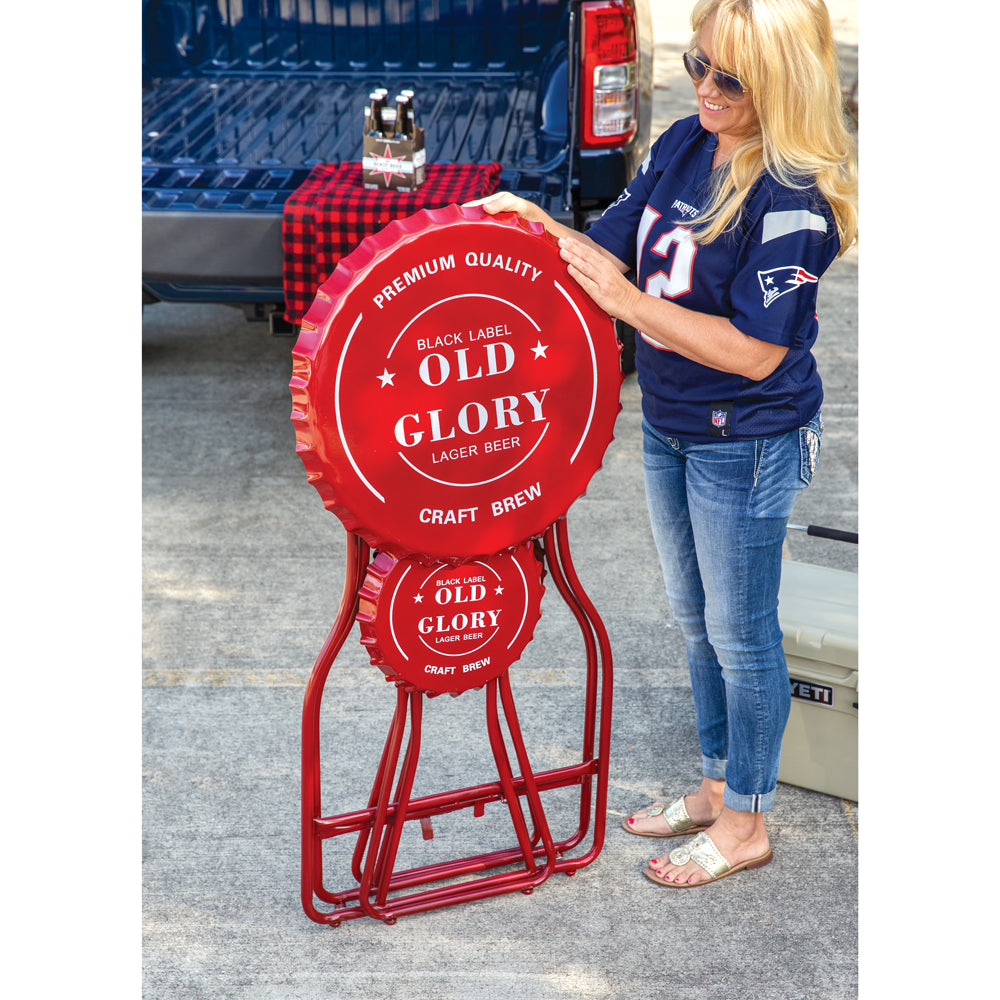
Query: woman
x=729, y=224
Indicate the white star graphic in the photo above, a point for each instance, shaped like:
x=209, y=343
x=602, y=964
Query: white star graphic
x=770, y=281
x=540, y=350
x=386, y=165
x=498, y=590
x=418, y=599
x=386, y=377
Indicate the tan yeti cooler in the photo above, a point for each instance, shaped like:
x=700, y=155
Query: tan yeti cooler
x=818, y=612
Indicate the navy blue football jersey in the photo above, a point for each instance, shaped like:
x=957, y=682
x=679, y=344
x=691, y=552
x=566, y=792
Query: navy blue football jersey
x=762, y=276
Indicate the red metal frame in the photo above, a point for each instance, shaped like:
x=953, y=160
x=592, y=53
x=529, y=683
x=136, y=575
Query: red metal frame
x=379, y=889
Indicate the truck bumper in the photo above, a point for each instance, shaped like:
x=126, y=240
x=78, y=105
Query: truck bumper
x=213, y=256
x=227, y=257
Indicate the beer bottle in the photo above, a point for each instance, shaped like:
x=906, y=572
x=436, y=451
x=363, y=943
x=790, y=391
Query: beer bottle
x=404, y=127
x=375, y=125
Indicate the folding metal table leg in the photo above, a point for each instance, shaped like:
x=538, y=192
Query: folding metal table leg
x=598, y=693
x=385, y=834
x=377, y=878
x=387, y=761
x=312, y=854
x=530, y=785
x=379, y=827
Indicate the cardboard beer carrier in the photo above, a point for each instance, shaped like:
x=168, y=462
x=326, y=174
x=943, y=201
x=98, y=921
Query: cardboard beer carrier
x=393, y=156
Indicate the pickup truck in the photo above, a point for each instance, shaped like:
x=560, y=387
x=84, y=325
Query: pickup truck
x=241, y=98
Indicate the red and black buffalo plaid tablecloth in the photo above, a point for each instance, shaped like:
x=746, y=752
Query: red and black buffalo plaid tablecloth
x=330, y=213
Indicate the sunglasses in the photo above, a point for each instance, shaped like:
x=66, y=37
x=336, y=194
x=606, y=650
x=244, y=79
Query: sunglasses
x=728, y=85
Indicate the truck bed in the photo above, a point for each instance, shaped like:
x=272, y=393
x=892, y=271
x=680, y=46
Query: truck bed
x=237, y=144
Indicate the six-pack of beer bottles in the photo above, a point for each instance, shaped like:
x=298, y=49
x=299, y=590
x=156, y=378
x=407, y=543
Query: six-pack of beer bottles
x=381, y=123
x=392, y=150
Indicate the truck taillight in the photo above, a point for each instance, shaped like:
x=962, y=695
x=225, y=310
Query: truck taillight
x=610, y=76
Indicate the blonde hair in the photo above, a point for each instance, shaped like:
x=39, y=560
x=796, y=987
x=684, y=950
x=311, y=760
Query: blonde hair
x=784, y=52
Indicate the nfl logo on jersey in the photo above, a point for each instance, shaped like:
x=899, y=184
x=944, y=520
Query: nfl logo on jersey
x=720, y=415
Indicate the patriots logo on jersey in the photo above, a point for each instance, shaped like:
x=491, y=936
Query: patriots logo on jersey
x=624, y=196
x=779, y=281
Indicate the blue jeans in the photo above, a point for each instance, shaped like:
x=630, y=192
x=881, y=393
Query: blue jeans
x=719, y=513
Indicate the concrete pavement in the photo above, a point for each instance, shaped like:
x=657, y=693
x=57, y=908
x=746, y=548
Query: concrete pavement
x=242, y=574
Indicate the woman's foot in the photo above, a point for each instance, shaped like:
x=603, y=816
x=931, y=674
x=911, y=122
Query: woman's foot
x=703, y=807
x=739, y=838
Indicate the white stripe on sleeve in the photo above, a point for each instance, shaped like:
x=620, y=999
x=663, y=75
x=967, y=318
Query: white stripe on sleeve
x=782, y=223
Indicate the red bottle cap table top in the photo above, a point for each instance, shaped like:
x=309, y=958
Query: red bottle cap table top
x=444, y=628
x=454, y=390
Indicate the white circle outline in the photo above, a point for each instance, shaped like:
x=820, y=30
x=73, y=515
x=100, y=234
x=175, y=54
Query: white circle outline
x=506, y=472
x=466, y=653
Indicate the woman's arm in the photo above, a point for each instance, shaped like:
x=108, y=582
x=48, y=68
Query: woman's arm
x=530, y=212
x=709, y=340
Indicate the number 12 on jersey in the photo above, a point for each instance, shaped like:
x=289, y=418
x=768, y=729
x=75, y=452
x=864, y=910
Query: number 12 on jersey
x=677, y=279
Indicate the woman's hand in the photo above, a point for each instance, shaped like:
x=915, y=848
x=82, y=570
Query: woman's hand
x=504, y=201
x=599, y=277
x=597, y=271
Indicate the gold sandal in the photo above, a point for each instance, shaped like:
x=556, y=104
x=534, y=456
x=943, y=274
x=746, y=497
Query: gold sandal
x=706, y=855
x=675, y=814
